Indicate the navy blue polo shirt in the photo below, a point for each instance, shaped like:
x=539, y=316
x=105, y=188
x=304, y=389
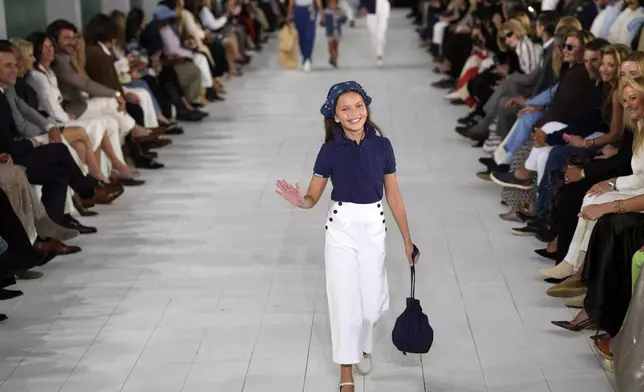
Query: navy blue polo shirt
x=357, y=171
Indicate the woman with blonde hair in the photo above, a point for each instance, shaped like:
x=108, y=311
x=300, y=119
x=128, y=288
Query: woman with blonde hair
x=513, y=36
x=609, y=191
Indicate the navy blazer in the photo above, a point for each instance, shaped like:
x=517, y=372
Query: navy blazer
x=370, y=5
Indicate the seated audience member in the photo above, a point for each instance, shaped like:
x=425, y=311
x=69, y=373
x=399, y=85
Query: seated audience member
x=513, y=37
x=219, y=26
x=579, y=178
x=17, y=255
x=43, y=128
x=567, y=102
x=551, y=151
x=41, y=230
x=100, y=67
x=103, y=131
x=138, y=71
x=174, y=48
x=187, y=72
x=167, y=78
x=619, y=33
x=611, y=190
x=194, y=29
x=49, y=165
x=84, y=99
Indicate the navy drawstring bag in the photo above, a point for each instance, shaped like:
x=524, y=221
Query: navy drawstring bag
x=412, y=332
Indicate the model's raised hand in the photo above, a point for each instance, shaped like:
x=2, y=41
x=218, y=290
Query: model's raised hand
x=291, y=193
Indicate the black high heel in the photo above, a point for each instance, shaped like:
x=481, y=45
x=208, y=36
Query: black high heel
x=546, y=254
x=586, y=324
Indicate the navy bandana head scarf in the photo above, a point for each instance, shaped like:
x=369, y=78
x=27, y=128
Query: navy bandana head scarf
x=328, y=109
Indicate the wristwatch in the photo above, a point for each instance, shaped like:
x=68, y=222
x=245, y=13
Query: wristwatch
x=613, y=183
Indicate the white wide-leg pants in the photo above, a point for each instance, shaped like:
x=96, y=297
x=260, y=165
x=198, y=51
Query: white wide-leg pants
x=201, y=61
x=147, y=105
x=97, y=107
x=356, y=280
x=581, y=239
x=377, y=26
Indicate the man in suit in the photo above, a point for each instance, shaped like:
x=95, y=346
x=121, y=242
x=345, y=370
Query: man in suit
x=517, y=85
x=48, y=165
x=29, y=122
x=103, y=101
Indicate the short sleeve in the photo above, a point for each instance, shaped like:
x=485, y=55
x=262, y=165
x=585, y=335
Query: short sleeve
x=322, y=166
x=390, y=158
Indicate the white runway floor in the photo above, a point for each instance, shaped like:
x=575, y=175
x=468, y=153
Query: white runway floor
x=206, y=281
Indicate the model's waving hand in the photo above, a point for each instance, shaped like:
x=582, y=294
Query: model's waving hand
x=291, y=193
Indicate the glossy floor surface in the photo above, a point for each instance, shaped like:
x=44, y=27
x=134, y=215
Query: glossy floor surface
x=206, y=281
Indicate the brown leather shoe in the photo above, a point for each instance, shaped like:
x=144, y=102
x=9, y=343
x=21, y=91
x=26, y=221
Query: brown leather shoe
x=52, y=245
x=112, y=187
x=102, y=196
x=160, y=130
x=603, y=348
x=148, y=138
x=161, y=143
x=128, y=181
x=571, y=287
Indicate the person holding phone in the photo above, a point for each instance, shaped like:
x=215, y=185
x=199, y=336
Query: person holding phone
x=360, y=162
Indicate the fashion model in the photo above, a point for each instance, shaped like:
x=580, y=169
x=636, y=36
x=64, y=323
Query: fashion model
x=360, y=162
x=377, y=13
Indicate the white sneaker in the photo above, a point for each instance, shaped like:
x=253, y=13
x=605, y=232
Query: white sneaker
x=379, y=62
x=307, y=66
x=364, y=367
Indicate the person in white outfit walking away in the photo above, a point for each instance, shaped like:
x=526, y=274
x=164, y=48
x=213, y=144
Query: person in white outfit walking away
x=377, y=12
x=360, y=162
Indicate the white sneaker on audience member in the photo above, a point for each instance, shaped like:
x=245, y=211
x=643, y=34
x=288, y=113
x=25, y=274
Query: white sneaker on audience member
x=379, y=62
x=307, y=66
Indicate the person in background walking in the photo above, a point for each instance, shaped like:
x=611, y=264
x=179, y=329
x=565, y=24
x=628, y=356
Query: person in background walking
x=304, y=13
x=377, y=12
x=333, y=20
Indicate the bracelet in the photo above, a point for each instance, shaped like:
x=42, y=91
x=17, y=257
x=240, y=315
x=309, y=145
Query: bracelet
x=619, y=206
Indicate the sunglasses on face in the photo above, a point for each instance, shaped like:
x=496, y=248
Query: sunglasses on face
x=569, y=47
x=506, y=36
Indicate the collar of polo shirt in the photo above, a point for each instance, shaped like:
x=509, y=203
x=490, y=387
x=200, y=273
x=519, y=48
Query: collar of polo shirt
x=341, y=138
